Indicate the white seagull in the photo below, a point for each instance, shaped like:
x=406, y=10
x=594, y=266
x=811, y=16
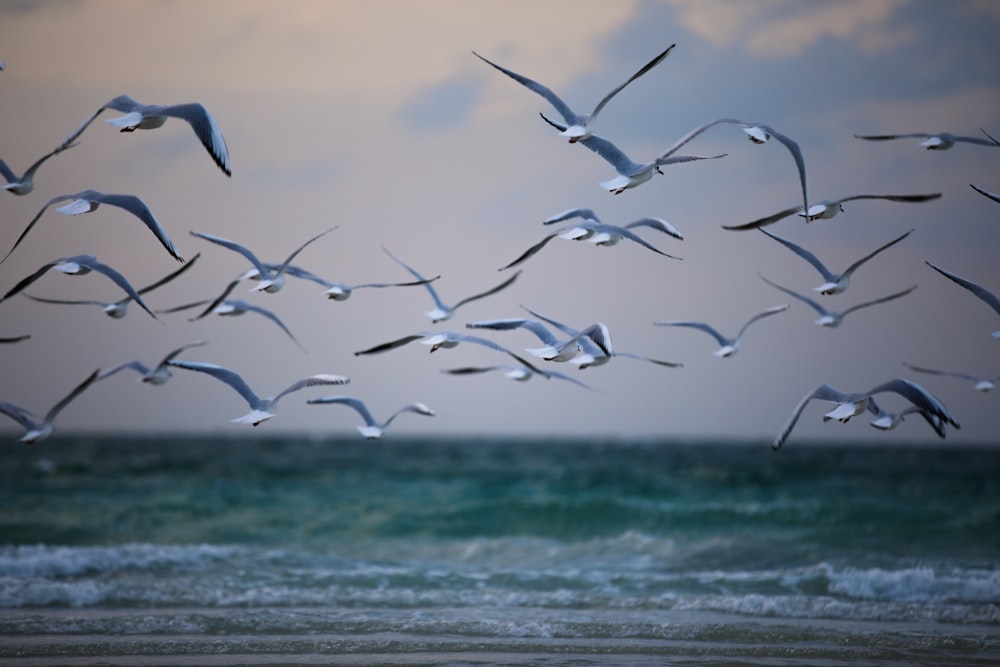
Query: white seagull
x=835, y=282
x=941, y=141
x=335, y=291
x=633, y=174
x=991, y=300
x=443, y=311
x=980, y=383
x=555, y=349
x=521, y=372
x=90, y=200
x=22, y=185
x=850, y=405
x=271, y=280
x=39, y=430
x=609, y=235
x=435, y=340
x=659, y=224
x=592, y=354
x=886, y=421
x=261, y=409
x=118, y=309
x=579, y=126
x=158, y=374
x=830, y=318
x=727, y=346
x=371, y=429
x=826, y=209
x=224, y=307
x=151, y=116
x=80, y=265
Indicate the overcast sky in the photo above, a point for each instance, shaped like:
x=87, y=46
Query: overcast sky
x=376, y=118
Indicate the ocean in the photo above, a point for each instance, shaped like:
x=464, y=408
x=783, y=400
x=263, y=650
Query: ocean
x=161, y=550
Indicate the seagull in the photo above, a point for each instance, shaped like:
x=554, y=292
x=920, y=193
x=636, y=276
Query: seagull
x=555, y=349
x=826, y=209
x=443, y=311
x=151, y=116
x=222, y=306
x=90, y=200
x=986, y=193
x=978, y=290
x=272, y=280
x=157, y=375
x=728, y=346
x=591, y=354
x=521, y=372
x=118, y=309
x=829, y=318
x=436, y=340
x=335, y=291
x=261, y=409
x=25, y=184
x=579, y=126
x=835, y=282
x=932, y=142
x=371, y=429
x=633, y=174
x=610, y=235
x=886, y=421
x=981, y=383
x=850, y=405
x=36, y=431
x=79, y=265
x=658, y=224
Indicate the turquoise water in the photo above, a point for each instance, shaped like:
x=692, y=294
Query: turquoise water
x=476, y=551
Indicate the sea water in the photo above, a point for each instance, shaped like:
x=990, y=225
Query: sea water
x=306, y=550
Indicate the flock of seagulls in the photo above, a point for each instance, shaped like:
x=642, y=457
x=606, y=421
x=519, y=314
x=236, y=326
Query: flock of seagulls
x=584, y=347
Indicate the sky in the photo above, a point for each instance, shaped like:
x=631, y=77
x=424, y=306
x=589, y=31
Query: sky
x=377, y=119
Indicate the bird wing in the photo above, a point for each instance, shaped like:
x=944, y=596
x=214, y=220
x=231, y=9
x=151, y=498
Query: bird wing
x=645, y=68
x=204, y=125
x=489, y=292
x=530, y=251
x=585, y=213
x=710, y=330
x=231, y=378
x=54, y=200
x=391, y=345
x=878, y=301
x=349, y=401
x=823, y=392
x=138, y=208
x=804, y=254
x=815, y=305
x=978, y=290
x=986, y=193
x=118, y=279
x=246, y=305
x=773, y=310
x=322, y=379
x=855, y=265
x=232, y=245
x=77, y=390
x=532, y=85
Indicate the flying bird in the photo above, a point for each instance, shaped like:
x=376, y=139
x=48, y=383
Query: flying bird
x=158, y=374
x=555, y=349
x=727, y=346
x=118, y=309
x=22, y=185
x=850, y=405
x=633, y=174
x=435, y=340
x=80, y=265
x=271, y=280
x=224, y=307
x=443, y=311
x=578, y=126
x=151, y=116
x=941, y=141
x=261, y=409
x=335, y=291
x=830, y=318
x=35, y=431
x=980, y=383
x=90, y=200
x=991, y=300
x=886, y=421
x=659, y=224
x=826, y=209
x=371, y=429
x=835, y=282
x=610, y=235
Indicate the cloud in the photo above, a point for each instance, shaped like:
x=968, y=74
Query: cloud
x=784, y=28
